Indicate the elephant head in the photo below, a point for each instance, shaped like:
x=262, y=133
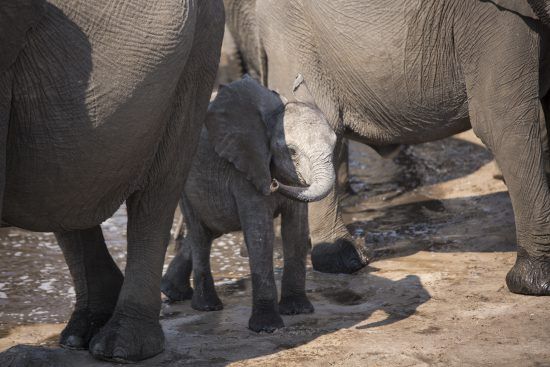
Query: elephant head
x=279, y=145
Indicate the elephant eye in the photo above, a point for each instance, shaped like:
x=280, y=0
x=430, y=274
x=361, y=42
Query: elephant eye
x=292, y=151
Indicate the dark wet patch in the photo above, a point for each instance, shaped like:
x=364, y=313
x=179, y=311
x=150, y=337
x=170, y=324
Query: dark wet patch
x=345, y=297
x=169, y=315
x=240, y=285
x=429, y=330
x=218, y=360
x=433, y=205
x=284, y=346
x=4, y=333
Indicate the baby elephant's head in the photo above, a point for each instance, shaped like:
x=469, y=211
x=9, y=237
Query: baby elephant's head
x=279, y=145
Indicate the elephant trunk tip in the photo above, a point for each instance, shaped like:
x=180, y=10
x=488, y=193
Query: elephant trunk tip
x=274, y=187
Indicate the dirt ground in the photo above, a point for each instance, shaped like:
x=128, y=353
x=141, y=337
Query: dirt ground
x=441, y=227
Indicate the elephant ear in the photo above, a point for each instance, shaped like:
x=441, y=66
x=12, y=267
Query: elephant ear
x=237, y=130
x=16, y=18
x=521, y=7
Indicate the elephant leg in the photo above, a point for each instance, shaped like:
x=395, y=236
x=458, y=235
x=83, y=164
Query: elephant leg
x=334, y=250
x=5, y=104
x=176, y=282
x=205, y=297
x=507, y=115
x=257, y=224
x=342, y=168
x=295, y=234
x=134, y=333
x=544, y=132
x=97, y=282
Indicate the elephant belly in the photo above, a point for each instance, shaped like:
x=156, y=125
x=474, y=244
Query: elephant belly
x=89, y=109
x=400, y=77
x=388, y=69
x=208, y=191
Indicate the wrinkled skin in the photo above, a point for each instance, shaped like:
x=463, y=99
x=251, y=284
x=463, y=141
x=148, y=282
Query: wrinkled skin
x=252, y=137
x=98, y=101
x=406, y=72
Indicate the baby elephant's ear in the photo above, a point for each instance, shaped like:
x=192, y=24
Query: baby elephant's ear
x=238, y=133
x=16, y=18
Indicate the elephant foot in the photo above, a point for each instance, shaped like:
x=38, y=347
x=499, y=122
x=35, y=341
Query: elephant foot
x=80, y=329
x=207, y=301
x=174, y=292
x=126, y=340
x=529, y=276
x=338, y=257
x=295, y=305
x=266, y=319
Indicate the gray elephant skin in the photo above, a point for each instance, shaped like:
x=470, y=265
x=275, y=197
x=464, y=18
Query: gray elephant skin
x=259, y=157
x=98, y=101
x=406, y=72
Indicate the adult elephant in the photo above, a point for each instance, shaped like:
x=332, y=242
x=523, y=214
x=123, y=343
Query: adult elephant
x=405, y=72
x=102, y=102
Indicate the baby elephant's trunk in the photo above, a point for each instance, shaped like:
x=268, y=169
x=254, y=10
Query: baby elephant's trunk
x=322, y=181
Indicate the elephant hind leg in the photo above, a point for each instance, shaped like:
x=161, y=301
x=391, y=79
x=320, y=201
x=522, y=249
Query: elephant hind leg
x=205, y=297
x=134, y=332
x=97, y=282
x=506, y=113
x=175, y=283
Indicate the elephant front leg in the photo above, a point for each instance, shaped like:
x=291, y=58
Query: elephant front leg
x=257, y=225
x=334, y=250
x=97, y=281
x=295, y=233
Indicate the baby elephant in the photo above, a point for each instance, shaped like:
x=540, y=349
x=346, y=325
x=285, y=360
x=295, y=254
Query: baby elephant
x=258, y=157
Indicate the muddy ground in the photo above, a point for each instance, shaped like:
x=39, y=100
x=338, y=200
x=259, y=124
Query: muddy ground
x=441, y=227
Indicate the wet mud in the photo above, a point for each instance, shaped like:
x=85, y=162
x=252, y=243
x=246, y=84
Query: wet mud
x=442, y=231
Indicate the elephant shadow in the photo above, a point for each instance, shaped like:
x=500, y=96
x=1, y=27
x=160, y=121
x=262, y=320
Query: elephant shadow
x=194, y=338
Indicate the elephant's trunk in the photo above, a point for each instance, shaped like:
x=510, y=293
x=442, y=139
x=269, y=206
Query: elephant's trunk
x=322, y=181
x=541, y=9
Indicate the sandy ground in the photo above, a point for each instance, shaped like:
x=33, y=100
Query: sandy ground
x=442, y=229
